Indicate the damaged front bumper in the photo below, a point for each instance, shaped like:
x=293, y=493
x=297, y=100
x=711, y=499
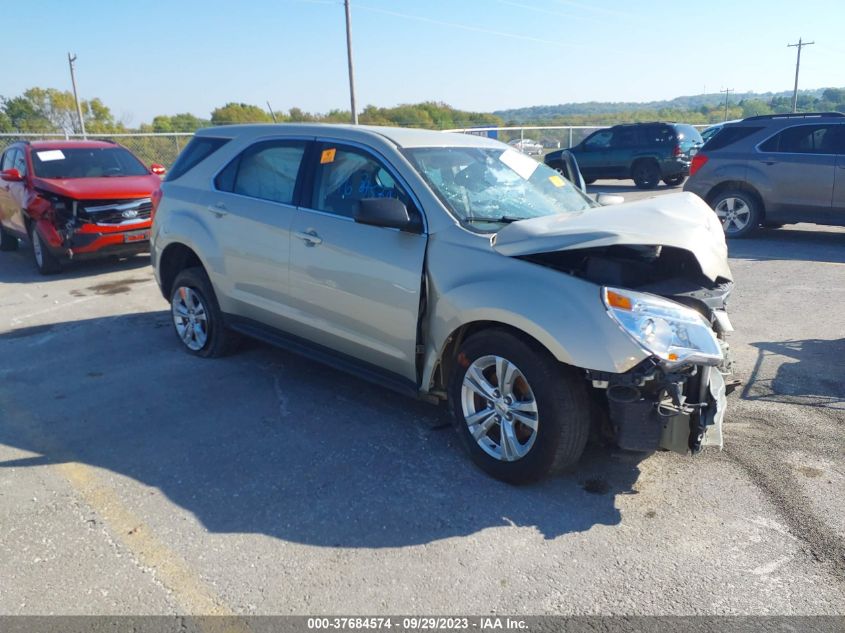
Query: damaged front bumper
x=87, y=240
x=681, y=410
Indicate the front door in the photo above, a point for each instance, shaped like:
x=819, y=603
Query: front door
x=12, y=193
x=593, y=155
x=356, y=287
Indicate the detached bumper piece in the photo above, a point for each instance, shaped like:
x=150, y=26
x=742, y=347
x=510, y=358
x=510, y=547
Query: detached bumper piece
x=681, y=411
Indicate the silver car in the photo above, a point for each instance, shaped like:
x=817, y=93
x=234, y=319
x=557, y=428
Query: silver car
x=455, y=269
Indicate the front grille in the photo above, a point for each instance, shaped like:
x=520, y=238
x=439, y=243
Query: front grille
x=115, y=211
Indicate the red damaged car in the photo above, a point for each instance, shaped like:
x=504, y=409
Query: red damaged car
x=75, y=200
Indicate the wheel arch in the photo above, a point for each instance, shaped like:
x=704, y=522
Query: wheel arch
x=175, y=258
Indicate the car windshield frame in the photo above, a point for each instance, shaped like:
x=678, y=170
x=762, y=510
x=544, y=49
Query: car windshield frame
x=69, y=163
x=502, y=186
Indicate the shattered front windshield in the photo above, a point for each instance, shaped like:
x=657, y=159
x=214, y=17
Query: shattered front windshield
x=491, y=186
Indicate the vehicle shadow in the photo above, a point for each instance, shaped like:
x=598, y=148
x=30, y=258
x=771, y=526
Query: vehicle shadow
x=812, y=381
x=801, y=243
x=267, y=442
x=18, y=266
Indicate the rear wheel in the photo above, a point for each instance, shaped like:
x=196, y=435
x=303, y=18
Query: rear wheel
x=646, y=174
x=520, y=414
x=739, y=213
x=674, y=181
x=8, y=242
x=197, y=319
x=45, y=261
x=589, y=181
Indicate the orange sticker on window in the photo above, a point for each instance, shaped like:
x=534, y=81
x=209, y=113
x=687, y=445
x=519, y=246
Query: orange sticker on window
x=557, y=181
x=328, y=156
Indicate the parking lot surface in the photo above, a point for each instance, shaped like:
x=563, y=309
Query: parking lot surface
x=136, y=479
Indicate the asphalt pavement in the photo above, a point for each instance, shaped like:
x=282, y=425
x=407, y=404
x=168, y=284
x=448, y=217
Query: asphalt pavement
x=136, y=479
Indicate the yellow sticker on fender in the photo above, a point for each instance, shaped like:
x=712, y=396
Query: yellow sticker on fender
x=557, y=181
x=327, y=156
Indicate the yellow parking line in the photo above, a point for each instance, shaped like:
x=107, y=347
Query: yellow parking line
x=193, y=596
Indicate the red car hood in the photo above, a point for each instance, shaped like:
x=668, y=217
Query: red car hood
x=101, y=188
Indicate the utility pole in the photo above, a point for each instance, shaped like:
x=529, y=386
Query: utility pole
x=272, y=114
x=727, y=91
x=349, y=57
x=801, y=44
x=70, y=60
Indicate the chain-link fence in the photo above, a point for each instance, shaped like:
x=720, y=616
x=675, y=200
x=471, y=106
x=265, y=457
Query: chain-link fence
x=149, y=147
x=163, y=148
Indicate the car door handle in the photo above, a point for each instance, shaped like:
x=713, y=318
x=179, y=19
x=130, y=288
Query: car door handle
x=309, y=237
x=218, y=209
x=770, y=162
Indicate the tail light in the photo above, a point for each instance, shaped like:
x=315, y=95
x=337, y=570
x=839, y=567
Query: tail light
x=677, y=151
x=698, y=162
x=155, y=200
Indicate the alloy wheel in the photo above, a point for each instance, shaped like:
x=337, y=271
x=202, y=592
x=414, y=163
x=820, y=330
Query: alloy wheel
x=190, y=318
x=36, y=248
x=499, y=408
x=734, y=214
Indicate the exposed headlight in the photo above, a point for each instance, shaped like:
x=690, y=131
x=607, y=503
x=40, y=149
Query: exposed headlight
x=674, y=333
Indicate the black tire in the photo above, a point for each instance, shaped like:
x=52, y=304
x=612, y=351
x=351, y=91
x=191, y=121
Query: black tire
x=8, y=242
x=589, y=181
x=45, y=261
x=773, y=225
x=559, y=395
x=674, y=181
x=746, y=207
x=218, y=339
x=646, y=174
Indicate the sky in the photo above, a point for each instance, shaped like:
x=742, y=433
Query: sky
x=170, y=56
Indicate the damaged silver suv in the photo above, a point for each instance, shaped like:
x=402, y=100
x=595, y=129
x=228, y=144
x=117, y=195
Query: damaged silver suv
x=454, y=268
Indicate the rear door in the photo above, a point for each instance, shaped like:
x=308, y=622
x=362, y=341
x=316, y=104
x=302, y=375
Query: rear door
x=252, y=207
x=356, y=287
x=622, y=147
x=799, y=164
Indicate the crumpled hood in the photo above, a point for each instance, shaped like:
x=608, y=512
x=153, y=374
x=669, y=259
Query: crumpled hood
x=680, y=220
x=101, y=188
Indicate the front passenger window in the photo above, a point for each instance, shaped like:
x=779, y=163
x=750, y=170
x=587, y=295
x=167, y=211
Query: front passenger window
x=346, y=176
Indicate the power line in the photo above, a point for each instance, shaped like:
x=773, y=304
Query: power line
x=801, y=44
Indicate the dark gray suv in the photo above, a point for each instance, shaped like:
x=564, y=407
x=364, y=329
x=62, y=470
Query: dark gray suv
x=774, y=170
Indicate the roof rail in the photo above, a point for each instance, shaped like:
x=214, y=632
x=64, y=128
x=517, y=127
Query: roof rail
x=795, y=115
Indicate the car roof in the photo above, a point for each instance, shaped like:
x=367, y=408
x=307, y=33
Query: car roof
x=399, y=136
x=68, y=144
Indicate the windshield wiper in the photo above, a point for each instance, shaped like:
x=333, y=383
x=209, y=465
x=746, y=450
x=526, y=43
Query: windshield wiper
x=502, y=219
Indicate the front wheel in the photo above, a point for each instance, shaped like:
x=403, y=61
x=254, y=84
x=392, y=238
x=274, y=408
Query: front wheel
x=45, y=261
x=520, y=414
x=738, y=212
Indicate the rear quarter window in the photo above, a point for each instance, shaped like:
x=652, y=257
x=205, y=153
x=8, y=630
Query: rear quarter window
x=200, y=148
x=728, y=136
x=688, y=133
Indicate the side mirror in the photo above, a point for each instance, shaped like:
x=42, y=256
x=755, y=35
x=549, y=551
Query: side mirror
x=158, y=170
x=11, y=175
x=609, y=199
x=386, y=212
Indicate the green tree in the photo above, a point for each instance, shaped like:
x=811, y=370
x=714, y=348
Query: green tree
x=239, y=113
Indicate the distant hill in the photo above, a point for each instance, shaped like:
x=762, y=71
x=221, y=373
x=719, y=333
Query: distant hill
x=545, y=113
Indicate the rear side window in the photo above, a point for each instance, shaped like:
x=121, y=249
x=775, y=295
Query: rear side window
x=803, y=139
x=688, y=133
x=659, y=135
x=729, y=135
x=200, y=148
x=266, y=170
